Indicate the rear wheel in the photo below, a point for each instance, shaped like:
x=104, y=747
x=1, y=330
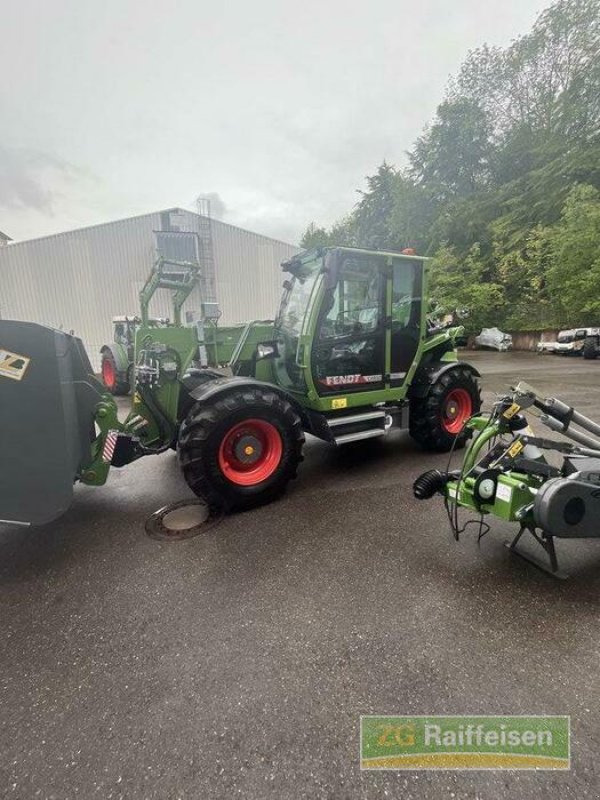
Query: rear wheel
x=590, y=348
x=116, y=382
x=437, y=420
x=241, y=450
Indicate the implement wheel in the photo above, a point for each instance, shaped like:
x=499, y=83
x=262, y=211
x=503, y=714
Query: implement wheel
x=241, y=450
x=437, y=421
x=116, y=382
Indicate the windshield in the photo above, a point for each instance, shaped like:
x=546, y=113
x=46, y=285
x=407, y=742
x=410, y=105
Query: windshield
x=564, y=337
x=288, y=328
x=295, y=302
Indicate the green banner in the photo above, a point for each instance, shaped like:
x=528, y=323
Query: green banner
x=451, y=742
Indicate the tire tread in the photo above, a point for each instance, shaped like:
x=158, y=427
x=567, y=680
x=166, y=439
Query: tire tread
x=197, y=442
x=425, y=412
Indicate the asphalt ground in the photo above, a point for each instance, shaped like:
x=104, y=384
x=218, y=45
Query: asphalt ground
x=238, y=663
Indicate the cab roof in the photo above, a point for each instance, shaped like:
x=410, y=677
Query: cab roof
x=307, y=256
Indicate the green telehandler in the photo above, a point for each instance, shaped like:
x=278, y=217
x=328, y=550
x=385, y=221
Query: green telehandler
x=350, y=355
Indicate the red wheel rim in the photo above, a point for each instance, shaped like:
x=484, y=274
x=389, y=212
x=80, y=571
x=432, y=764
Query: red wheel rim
x=250, y=452
x=458, y=407
x=109, y=376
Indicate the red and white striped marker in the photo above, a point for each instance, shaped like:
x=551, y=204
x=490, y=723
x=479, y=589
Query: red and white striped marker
x=109, y=446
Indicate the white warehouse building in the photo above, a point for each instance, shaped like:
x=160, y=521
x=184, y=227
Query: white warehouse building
x=81, y=279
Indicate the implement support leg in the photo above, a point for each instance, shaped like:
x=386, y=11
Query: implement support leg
x=547, y=542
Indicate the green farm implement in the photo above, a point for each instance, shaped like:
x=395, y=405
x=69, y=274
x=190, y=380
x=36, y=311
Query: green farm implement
x=350, y=355
x=505, y=473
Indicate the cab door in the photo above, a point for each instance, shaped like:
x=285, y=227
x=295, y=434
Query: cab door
x=406, y=317
x=348, y=352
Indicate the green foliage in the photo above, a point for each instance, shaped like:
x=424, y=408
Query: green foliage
x=574, y=272
x=413, y=214
x=522, y=272
x=464, y=284
x=547, y=80
x=340, y=234
x=452, y=157
x=502, y=186
x=372, y=215
x=314, y=236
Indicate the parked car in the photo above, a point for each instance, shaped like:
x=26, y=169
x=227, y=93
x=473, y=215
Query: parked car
x=569, y=342
x=545, y=347
x=495, y=339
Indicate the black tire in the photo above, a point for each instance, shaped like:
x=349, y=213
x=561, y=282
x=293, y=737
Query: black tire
x=590, y=348
x=428, y=421
x=206, y=428
x=122, y=384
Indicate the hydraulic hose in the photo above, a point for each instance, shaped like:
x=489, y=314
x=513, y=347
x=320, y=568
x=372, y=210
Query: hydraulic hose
x=429, y=483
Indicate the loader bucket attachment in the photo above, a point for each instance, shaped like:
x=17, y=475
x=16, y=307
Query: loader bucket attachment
x=48, y=394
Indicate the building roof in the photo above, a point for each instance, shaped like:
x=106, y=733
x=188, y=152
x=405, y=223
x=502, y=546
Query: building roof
x=148, y=214
x=5, y=237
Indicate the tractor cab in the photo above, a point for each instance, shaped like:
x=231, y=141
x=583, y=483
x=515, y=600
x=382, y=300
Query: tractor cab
x=124, y=330
x=351, y=322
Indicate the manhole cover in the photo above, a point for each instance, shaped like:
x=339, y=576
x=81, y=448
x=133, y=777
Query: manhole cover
x=182, y=520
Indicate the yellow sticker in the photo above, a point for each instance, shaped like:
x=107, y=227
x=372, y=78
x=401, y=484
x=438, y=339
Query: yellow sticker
x=137, y=399
x=12, y=365
x=515, y=449
x=339, y=402
x=511, y=411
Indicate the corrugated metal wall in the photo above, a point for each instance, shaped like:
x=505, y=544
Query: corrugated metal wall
x=80, y=279
x=249, y=275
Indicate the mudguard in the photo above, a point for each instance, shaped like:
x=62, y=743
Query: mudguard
x=220, y=386
x=429, y=373
x=119, y=353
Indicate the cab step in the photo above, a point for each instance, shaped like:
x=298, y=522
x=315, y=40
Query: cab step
x=354, y=427
x=350, y=419
x=355, y=437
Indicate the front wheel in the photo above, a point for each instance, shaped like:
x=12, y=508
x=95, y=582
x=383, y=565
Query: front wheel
x=241, y=450
x=437, y=420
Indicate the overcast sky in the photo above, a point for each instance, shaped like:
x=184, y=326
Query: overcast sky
x=111, y=108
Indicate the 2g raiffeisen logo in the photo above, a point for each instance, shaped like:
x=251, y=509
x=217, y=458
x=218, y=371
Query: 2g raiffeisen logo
x=403, y=735
x=13, y=365
x=456, y=742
